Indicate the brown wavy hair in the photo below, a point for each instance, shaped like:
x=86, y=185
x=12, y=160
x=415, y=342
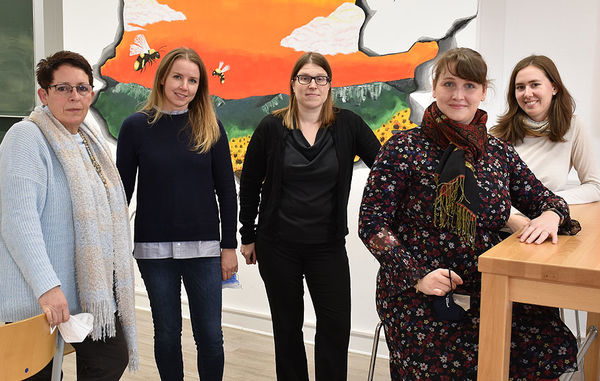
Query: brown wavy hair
x=510, y=126
x=289, y=114
x=203, y=126
x=464, y=63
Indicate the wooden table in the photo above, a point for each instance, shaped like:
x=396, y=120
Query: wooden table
x=563, y=275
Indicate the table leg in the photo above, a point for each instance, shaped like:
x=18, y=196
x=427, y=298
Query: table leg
x=592, y=356
x=494, y=330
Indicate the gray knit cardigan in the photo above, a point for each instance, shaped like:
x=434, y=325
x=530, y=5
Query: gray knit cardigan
x=37, y=241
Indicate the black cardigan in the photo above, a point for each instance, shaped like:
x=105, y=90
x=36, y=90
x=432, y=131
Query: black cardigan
x=260, y=183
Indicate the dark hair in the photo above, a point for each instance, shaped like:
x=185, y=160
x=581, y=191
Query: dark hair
x=510, y=126
x=47, y=66
x=204, y=129
x=464, y=63
x=290, y=113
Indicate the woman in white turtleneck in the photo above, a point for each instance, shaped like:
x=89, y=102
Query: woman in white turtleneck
x=548, y=137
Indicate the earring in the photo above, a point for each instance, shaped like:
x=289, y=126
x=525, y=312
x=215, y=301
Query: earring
x=554, y=92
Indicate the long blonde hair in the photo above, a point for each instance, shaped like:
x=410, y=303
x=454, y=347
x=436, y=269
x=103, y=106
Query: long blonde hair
x=290, y=113
x=203, y=126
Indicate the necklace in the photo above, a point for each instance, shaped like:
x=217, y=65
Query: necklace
x=95, y=163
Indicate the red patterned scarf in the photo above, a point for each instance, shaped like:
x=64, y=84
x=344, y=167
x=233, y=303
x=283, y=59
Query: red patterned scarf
x=457, y=201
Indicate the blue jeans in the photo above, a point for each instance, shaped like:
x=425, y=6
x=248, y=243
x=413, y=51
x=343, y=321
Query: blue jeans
x=202, y=281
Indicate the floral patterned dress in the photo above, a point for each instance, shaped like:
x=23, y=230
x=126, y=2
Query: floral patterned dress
x=397, y=226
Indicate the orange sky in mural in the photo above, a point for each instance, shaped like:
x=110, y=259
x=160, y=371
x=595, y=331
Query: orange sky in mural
x=259, y=65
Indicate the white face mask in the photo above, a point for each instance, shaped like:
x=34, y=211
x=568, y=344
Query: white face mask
x=76, y=329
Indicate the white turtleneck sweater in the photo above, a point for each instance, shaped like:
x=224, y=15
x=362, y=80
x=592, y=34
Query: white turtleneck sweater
x=551, y=163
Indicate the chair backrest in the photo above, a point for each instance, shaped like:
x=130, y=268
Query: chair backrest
x=26, y=347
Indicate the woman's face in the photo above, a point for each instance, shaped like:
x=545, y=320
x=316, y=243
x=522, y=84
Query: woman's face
x=180, y=85
x=69, y=107
x=534, y=92
x=458, y=98
x=310, y=96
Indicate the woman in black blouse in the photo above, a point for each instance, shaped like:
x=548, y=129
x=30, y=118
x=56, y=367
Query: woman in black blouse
x=296, y=178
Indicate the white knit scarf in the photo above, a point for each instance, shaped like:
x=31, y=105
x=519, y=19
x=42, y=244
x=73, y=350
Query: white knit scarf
x=103, y=260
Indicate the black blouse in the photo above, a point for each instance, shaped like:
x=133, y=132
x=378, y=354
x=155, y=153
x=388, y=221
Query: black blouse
x=262, y=176
x=308, y=199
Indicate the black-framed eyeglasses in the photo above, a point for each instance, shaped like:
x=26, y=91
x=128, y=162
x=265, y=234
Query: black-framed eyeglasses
x=320, y=80
x=65, y=89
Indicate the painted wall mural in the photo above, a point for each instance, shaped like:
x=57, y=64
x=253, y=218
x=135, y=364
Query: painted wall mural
x=378, y=50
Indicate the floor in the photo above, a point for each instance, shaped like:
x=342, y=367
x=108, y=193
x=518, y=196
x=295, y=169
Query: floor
x=248, y=356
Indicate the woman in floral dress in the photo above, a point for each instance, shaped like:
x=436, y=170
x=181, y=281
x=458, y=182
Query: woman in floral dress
x=435, y=200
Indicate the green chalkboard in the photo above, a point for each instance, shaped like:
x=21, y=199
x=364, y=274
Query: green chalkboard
x=17, y=79
x=5, y=124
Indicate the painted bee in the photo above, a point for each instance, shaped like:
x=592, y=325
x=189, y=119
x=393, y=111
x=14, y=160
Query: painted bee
x=146, y=55
x=220, y=72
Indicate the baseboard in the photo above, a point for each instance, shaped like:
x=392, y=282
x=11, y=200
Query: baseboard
x=361, y=342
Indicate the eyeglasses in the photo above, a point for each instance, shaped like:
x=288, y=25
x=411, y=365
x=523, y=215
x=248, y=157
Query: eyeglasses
x=65, y=89
x=320, y=80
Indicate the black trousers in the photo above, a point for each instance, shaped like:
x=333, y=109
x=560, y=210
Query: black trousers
x=102, y=360
x=325, y=266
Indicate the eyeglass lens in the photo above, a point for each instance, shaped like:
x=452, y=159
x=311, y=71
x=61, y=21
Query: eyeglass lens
x=320, y=80
x=65, y=88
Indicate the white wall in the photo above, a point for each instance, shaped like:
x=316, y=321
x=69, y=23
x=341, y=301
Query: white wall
x=506, y=31
x=567, y=32
x=90, y=26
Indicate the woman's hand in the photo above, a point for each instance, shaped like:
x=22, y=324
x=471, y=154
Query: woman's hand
x=539, y=229
x=249, y=253
x=55, y=306
x=437, y=282
x=229, y=264
x=516, y=222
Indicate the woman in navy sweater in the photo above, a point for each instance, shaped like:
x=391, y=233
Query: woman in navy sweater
x=180, y=153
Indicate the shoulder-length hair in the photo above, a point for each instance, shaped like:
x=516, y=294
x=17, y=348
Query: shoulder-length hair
x=510, y=126
x=203, y=127
x=289, y=114
x=464, y=63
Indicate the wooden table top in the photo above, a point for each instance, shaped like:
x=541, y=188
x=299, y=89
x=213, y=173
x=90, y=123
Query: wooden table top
x=574, y=260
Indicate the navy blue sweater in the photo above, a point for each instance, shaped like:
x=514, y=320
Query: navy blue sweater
x=176, y=187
